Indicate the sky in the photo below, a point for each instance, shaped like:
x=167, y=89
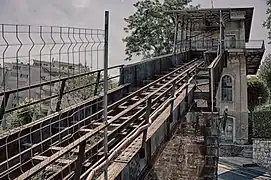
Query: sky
x=90, y=14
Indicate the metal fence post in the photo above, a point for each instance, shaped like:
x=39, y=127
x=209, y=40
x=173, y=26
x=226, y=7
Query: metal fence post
x=80, y=160
x=97, y=83
x=3, y=106
x=172, y=102
x=105, y=84
x=186, y=90
x=60, y=94
x=145, y=144
x=121, y=81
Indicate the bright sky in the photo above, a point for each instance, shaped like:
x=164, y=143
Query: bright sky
x=89, y=13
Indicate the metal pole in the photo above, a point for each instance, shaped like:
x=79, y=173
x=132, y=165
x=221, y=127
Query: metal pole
x=175, y=35
x=105, y=84
x=221, y=50
x=174, y=59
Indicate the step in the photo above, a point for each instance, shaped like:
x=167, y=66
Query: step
x=203, y=76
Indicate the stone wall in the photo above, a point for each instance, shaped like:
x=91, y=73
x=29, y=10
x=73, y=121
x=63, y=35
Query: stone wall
x=262, y=152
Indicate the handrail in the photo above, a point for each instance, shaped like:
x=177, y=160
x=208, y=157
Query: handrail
x=56, y=80
x=6, y=94
x=139, y=131
x=96, y=130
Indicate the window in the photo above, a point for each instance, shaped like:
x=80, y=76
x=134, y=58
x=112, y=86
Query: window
x=24, y=75
x=226, y=88
x=230, y=41
x=36, y=64
x=43, y=78
x=14, y=74
x=16, y=67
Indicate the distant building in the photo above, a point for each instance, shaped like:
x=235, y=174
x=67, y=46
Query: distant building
x=17, y=75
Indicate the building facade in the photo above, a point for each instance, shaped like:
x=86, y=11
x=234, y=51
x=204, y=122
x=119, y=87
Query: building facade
x=231, y=28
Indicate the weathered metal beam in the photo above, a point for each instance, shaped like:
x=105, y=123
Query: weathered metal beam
x=80, y=160
x=53, y=158
x=122, y=161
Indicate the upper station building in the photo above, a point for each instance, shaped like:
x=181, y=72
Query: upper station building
x=208, y=32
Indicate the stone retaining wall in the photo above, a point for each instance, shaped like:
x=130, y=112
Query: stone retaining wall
x=262, y=152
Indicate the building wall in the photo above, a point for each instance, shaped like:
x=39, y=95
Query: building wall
x=236, y=69
x=237, y=108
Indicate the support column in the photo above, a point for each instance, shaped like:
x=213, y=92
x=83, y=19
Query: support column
x=221, y=22
x=243, y=102
x=211, y=140
x=190, y=38
x=182, y=33
x=174, y=59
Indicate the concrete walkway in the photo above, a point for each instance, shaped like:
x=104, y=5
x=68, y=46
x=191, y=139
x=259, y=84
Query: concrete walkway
x=238, y=161
x=231, y=168
x=183, y=156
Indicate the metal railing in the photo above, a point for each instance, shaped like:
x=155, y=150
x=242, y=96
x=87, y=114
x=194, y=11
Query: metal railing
x=213, y=44
x=86, y=139
x=48, y=68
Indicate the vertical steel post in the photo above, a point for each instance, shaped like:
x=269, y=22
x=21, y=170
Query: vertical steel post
x=97, y=83
x=146, y=144
x=105, y=84
x=121, y=81
x=175, y=39
x=3, y=107
x=190, y=34
x=172, y=102
x=182, y=26
x=175, y=34
x=220, y=26
x=62, y=87
x=80, y=160
x=186, y=34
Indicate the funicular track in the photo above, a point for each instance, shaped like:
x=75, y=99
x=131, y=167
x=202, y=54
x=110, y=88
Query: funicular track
x=59, y=156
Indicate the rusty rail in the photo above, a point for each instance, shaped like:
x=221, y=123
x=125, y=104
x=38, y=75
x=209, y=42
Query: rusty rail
x=128, y=121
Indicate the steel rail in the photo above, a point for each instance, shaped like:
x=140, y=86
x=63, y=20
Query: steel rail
x=96, y=130
x=110, y=107
x=137, y=133
x=119, y=101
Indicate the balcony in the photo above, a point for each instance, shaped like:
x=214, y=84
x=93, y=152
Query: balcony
x=253, y=50
x=231, y=46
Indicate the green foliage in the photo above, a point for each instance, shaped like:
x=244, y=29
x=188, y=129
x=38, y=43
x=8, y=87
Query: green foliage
x=267, y=22
x=30, y=113
x=266, y=107
x=261, y=124
x=151, y=31
x=24, y=115
x=255, y=89
x=265, y=71
x=88, y=90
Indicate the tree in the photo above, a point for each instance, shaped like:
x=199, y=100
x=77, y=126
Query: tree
x=30, y=113
x=24, y=115
x=255, y=89
x=265, y=71
x=267, y=22
x=151, y=31
x=88, y=84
